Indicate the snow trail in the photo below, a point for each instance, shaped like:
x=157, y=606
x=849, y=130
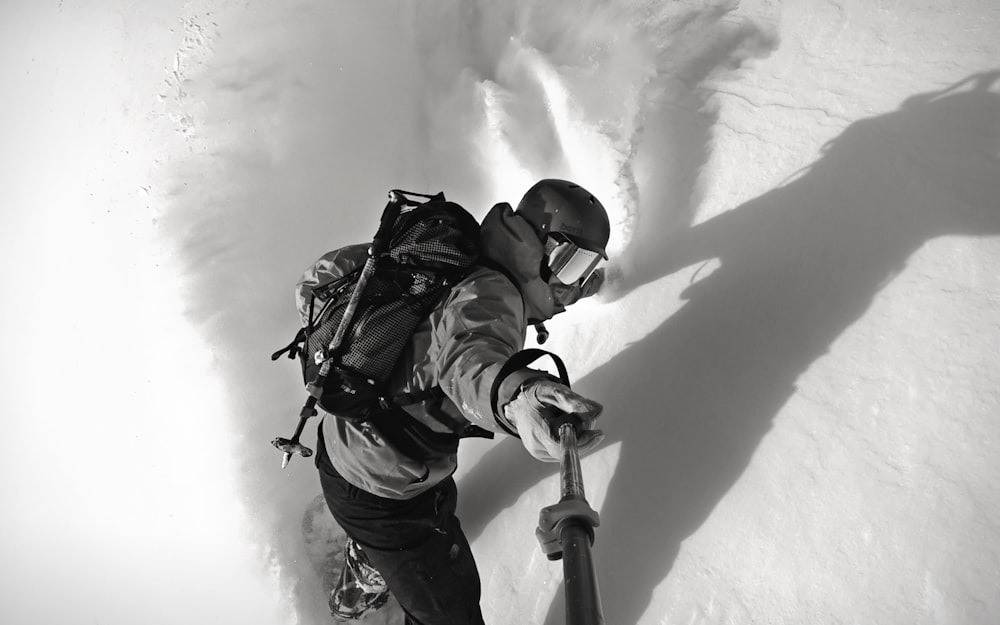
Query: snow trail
x=734, y=288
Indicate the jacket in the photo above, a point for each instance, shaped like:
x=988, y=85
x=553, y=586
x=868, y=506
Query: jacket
x=461, y=347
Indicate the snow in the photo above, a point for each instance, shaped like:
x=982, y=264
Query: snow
x=797, y=350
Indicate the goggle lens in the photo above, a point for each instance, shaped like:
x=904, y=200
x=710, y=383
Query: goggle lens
x=570, y=263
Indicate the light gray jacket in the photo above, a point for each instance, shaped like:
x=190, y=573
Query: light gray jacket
x=461, y=347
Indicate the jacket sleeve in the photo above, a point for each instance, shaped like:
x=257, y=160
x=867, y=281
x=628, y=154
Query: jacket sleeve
x=330, y=266
x=482, y=325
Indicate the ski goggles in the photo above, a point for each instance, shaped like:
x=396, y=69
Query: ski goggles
x=568, y=262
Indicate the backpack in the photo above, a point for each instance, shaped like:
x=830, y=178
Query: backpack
x=365, y=318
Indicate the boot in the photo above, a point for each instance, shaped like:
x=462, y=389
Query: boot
x=360, y=589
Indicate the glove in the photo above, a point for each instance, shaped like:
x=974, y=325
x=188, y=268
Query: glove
x=541, y=400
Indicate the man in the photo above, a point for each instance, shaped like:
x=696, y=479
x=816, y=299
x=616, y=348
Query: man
x=389, y=484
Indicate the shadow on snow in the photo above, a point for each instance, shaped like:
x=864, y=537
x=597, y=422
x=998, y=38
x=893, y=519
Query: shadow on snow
x=799, y=265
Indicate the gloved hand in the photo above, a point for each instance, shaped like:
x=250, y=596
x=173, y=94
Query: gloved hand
x=542, y=399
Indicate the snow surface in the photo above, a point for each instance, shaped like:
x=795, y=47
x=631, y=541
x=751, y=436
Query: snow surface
x=797, y=355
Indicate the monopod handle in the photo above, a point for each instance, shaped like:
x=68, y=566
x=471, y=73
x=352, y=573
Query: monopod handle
x=571, y=475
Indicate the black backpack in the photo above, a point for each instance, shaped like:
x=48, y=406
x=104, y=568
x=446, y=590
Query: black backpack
x=367, y=317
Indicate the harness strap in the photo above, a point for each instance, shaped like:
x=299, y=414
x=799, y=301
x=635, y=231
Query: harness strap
x=416, y=397
x=411, y=437
x=434, y=397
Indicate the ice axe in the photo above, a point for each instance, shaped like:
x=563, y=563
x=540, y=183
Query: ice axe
x=290, y=446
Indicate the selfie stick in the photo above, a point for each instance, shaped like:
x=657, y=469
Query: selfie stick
x=566, y=531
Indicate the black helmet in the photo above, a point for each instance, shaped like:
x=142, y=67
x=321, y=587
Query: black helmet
x=560, y=206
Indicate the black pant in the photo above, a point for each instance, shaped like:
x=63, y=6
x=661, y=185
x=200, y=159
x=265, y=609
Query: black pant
x=416, y=544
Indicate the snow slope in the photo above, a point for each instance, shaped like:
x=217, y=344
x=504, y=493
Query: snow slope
x=797, y=353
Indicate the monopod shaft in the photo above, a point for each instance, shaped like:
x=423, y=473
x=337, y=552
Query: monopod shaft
x=583, y=600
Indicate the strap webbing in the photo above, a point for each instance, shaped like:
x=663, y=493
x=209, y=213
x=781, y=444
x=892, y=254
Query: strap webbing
x=520, y=360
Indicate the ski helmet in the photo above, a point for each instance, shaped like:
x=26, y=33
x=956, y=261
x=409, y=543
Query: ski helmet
x=555, y=206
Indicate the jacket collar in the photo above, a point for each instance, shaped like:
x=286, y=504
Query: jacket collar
x=508, y=240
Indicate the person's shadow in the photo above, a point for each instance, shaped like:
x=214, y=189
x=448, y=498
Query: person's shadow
x=797, y=267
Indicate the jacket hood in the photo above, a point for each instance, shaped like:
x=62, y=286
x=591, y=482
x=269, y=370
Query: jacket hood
x=509, y=241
